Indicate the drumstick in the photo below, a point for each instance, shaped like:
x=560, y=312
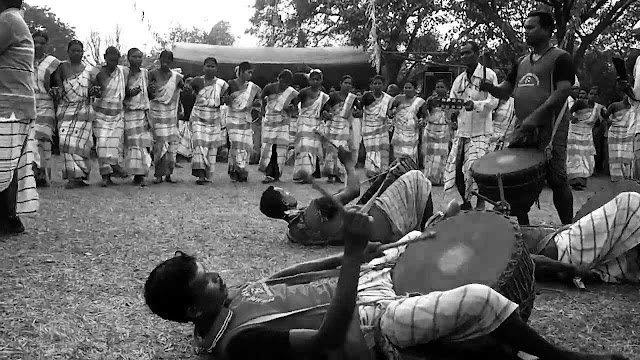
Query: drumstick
x=365, y=209
x=317, y=187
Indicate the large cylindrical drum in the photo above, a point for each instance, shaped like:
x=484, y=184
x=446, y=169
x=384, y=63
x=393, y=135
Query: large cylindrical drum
x=522, y=172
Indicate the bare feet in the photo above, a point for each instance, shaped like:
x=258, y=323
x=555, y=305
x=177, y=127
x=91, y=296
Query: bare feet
x=169, y=179
x=158, y=180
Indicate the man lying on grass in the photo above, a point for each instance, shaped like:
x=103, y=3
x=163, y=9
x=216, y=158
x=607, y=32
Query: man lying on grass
x=402, y=207
x=314, y=317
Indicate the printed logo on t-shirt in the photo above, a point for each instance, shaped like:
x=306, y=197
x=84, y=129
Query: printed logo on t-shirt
x=529, y=80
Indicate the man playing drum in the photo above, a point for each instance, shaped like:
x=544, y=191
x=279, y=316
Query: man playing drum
x=359, y=316
x=404, y=206
x=540, y=83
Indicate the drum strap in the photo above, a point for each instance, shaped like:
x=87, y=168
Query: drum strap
x=556, y=124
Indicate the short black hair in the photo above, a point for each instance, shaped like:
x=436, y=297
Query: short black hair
x=244, y=66
x=75, y=42
x=41, y=33
x=132, y=51
x=112, y=50
x=546, y=21
x=210, y=59
x=167, y=53
x=443, y=81
x=272, y=204
x=377, y=77
x=286, y=74
x=345, y=77
x=167, y=291
x=474, y=46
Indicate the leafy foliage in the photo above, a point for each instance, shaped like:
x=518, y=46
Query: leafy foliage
x=59, y=32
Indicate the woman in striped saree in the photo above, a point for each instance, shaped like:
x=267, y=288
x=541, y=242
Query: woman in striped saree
x=342, y=104
x=44, y=66
x=620, y=141
x=407, y=112
x=580, y=148
x=437, y=135
x=75, y=117
x=375, y=127
x=206, y=121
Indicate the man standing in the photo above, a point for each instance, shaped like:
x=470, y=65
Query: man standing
x=44, y=66
x=475, y=124
x=136, y=121
x=541, y=82
x=164, y=91
x=278, y=103
x=313, y=110
x=242, y=93
x=18, y=193
x=108, y=125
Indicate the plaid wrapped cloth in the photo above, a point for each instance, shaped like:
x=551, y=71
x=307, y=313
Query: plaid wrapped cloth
x=163, y=117
x=338, y=132
x=606, y=240
x=375, y=134
x=464, y=313
x=472, y=149
x=108, y=125
x=405, y=123
x=580, y=149
x=46, y=116
x=239, y=118
x=436, y=138
x=503, y=123
x=16, y=158
x=275, y=125
x=307, y=144
x=620, y=145
x=206, y=121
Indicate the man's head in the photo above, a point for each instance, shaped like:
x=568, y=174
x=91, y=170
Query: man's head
x=315, y=79
x=284, y=78
x=75, y=49
x=166, y=60
x=245, y=71
x=40, y=40
x=441, y=88
x=112, y=57
x=134, y=56
x=410, y=88
x=538, y=28
x=210, y=67
x=575, y=89
x=276, y=201
x=180, y=289
x=393, y=89
x=346, y=83
x=469, y=53
x=376, y=83
x=583, y=94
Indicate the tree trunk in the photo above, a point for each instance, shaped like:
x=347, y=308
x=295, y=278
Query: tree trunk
x=391, y=67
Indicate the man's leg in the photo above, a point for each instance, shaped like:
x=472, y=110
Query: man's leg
x=467, y=313
x=460, y=183
x=559, y=184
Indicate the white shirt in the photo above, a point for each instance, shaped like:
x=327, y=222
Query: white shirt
x=634, y=120
x=479, y=120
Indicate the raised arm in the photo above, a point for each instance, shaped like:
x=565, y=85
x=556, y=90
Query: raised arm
x=352, y=187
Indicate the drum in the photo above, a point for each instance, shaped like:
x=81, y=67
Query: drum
x=523, y=176
x=475, y=247
x=398, y=168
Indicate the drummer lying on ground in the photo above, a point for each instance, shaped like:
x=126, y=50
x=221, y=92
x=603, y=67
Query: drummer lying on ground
x=404, y=206
x=181, y=290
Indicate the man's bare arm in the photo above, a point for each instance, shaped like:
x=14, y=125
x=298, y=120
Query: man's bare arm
x=502, y=91
x=555, y=101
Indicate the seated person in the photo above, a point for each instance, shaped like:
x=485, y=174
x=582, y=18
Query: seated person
x=601, y=246
x=404, y=206
x=321, y=319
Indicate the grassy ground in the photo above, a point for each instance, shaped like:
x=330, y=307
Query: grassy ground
x=71, y=286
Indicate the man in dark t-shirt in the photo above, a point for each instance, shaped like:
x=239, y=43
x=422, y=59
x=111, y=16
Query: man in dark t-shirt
x=540, y=83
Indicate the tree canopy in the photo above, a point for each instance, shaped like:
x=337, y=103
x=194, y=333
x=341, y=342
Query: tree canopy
x=59, y=33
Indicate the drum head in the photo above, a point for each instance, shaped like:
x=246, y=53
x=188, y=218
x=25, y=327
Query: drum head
x=606, y=194
x=507, y=161
x=472, y=247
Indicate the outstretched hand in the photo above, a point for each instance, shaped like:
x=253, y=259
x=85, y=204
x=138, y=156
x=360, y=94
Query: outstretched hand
x=358, y=229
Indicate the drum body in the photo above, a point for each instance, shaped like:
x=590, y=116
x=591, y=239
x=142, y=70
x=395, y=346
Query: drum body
x=476, y=247
x=523, y=174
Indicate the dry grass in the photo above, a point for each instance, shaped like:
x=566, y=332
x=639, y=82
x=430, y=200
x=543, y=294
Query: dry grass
x=72, y=286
